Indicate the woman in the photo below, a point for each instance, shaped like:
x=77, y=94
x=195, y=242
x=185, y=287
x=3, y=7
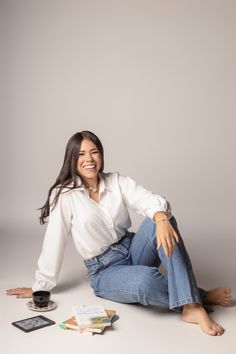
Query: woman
x=91, y=207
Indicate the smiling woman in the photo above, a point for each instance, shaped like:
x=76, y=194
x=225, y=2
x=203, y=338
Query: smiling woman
x=92, y=207
x=89, y=164
x=84, y=157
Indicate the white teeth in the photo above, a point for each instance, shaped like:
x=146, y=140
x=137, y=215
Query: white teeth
x=89, y=167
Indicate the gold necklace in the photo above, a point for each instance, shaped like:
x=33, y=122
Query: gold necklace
x=94, y=189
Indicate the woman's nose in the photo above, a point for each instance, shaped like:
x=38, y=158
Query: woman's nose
x=89, y=157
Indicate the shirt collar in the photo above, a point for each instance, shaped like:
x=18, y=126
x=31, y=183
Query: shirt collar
x=104, y=183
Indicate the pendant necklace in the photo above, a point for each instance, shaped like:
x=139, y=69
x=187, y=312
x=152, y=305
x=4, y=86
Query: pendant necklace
x=94, y=189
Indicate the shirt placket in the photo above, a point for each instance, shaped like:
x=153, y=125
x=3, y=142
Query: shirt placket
x=109, y=222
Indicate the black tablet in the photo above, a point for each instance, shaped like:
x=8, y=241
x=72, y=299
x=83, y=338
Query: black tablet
x=33, y=323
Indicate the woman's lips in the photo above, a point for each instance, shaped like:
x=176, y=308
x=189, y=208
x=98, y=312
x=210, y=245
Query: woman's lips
x=90, y=167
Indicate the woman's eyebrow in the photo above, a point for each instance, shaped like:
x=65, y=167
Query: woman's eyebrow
x=89, y=150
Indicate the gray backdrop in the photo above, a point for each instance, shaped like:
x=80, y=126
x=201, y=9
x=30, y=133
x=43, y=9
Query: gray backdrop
x=155, y=80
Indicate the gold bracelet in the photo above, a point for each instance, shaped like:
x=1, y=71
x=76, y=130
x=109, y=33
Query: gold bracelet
x=161, y=220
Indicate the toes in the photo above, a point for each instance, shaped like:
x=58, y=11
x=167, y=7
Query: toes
x=219, y=329
x=220, y=332
x=225, y=301
x=226, y=297
x=212, y=332
x=227, y=291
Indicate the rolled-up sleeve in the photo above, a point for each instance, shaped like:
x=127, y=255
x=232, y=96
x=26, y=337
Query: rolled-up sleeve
x=142, y=200
x=55, y=240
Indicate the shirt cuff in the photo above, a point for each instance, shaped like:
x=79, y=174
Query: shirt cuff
x=42, y=285
x=166, y=209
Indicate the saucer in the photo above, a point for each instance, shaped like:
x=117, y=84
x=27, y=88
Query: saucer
x=51, y=306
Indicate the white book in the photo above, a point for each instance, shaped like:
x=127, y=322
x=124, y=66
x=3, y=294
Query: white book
x=88, y=314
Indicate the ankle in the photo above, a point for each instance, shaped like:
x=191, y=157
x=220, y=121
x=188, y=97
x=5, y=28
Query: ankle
x=192, y=306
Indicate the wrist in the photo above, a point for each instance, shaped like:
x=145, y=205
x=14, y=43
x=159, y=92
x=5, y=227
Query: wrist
x=160, y=216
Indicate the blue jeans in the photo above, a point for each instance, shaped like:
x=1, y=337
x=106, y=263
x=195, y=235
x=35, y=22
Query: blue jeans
x=128, y=271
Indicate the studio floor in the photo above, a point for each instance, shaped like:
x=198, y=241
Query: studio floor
x=139, y=329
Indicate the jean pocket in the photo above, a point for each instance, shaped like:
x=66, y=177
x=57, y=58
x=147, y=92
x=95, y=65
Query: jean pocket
x=92, y=270
x=115, y=256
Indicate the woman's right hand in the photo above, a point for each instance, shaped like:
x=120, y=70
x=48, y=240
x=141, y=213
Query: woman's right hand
x=20, y=292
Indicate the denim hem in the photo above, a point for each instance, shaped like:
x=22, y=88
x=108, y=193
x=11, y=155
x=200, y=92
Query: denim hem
x=190, y=300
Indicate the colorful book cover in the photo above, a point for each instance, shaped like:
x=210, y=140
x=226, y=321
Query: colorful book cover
x=71, y=323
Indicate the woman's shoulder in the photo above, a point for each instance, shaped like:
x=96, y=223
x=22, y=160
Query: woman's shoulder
x=110, y=178
x=109, y=175
x=116, y=179
x=115, y=176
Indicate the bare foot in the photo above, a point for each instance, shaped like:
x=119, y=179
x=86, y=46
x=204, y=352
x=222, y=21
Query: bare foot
x=195, y=313
x=218, y=296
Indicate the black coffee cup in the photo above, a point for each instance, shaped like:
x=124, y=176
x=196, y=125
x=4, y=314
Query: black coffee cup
x=41, y=298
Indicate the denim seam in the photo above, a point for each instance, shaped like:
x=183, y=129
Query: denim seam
x=142, y=252
x=153, y=247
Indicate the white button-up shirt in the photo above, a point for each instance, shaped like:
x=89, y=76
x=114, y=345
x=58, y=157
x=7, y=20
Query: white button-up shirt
x=93, y=226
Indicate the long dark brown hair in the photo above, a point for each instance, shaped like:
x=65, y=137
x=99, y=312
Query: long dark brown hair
x=67, y=177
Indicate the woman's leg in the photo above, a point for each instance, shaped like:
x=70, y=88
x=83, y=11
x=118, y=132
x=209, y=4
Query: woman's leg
x=134, y=275
x=144, y=252
x=115, y=276
x=182, y=287
x=132, y=284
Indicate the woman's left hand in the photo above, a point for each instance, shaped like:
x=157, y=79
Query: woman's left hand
x=166, y=237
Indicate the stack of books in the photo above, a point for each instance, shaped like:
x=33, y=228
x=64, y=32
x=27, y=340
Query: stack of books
x=90, y=319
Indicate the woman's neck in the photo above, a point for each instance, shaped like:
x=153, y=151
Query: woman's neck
x=91, y=183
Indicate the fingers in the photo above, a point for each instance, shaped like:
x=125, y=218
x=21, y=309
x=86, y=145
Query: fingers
x=20, y=292
x=167, y=237
x=15, y=291
x=176, y=236
x=158, y=242
x=166, y=250
x=168, y=242
x=12, y=291
x=171, y=240
x=168, y=245
x=22, y=296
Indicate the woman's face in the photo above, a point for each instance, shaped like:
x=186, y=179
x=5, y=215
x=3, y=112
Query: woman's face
x=89, y=161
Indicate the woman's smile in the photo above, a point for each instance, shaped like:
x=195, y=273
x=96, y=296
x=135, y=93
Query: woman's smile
x=89, y=162
x=90, y=167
